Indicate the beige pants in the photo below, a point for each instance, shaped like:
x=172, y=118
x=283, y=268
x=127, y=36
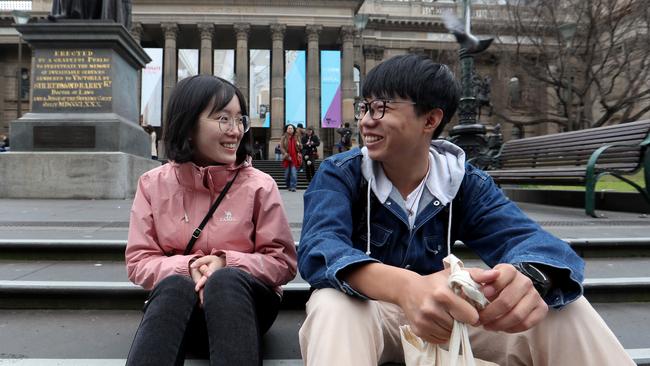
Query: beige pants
x=341, y=330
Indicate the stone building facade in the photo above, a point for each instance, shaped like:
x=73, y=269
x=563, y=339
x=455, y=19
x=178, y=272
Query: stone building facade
x=393, y=27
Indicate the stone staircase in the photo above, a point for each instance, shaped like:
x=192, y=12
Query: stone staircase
x=65, y=298
x=274, y=169
x=77, y=292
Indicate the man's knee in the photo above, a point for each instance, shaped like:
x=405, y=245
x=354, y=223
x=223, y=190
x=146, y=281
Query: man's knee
x=333, y=304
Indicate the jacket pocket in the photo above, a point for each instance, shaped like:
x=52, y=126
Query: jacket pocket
x=434, y=245
x=379, y=235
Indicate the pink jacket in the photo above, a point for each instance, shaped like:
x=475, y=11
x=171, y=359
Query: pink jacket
x=249, y=228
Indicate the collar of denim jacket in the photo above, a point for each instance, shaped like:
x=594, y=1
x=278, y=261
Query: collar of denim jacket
x=446, y=172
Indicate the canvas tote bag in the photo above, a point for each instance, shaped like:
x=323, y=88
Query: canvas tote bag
x=418, y=352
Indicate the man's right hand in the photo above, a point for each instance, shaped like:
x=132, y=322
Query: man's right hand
x=431, y=306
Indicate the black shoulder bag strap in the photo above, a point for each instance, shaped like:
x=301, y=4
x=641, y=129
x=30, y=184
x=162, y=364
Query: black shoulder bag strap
x=198, y=230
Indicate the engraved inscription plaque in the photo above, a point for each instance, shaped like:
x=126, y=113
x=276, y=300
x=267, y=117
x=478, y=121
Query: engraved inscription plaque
x=72, y=80
x=64, y=137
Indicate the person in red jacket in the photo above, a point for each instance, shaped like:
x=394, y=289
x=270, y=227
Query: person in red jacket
x=219, y=297
x=291, y=156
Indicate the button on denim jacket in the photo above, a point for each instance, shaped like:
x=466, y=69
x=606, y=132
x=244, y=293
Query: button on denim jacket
x=334, y=230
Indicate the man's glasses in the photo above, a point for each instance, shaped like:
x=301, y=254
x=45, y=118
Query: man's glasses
x=227, y=123
x=376, y=108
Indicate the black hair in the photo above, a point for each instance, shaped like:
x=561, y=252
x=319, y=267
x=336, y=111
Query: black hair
x=287, y=126
x=346, y=124
x=188, y=100
x=299, y=125
x=430, y=85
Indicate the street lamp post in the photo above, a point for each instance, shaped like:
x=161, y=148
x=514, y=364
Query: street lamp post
x=469, y=134
x=20, y=17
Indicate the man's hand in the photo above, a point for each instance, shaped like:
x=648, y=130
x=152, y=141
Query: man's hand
x=515, y=305
x=431, y=306
x=202, y=268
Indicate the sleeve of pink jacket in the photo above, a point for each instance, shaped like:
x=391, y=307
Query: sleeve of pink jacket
x=274, y=258
x=146, y=262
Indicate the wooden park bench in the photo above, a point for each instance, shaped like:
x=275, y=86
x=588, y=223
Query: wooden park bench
x=577, y=158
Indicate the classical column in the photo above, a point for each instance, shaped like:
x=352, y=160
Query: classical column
x=313, y=80
x=241, y=68
x=347, y=74
x=369, y=55
x=277, y=85
x=205, y=63
x=170, y=74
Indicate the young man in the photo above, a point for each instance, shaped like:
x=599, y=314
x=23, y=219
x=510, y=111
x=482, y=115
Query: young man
x=371, y=280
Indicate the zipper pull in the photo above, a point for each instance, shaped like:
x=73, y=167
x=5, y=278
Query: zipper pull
x=185, y=218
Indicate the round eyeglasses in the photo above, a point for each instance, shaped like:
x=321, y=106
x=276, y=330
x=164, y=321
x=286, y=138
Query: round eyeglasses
x=376, y=107
x=227, y=123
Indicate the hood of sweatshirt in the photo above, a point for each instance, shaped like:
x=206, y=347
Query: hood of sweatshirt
x=446, y=172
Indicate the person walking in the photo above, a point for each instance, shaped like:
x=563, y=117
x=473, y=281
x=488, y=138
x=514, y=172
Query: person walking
x=291, y=156
x=310, y=143
x=208, y=235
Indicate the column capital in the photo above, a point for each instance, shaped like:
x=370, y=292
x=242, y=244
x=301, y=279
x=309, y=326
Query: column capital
x=313, y=32
x=379, y=53
x=242, y=30
x=277, y=31
x=206, y=30
x=170, y=30
x=348, y=33
x=137, y=30
x=369, y=51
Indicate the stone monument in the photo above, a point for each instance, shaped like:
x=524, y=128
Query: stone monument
x=82, y=138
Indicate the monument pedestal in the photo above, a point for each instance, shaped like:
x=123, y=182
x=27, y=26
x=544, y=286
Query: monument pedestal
x=71, y=175
x=82, y=138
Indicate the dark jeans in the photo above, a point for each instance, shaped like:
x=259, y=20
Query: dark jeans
x=238, y=309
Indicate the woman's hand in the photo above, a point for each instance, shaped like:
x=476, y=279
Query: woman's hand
x=202, y=268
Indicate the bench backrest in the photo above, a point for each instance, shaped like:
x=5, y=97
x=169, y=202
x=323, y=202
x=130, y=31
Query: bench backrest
x=575, y=148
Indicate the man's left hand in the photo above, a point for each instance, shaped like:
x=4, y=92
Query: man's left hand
x=515, y=305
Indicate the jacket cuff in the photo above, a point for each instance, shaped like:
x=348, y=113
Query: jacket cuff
x=342, y=264
x=564, y=290
x=183, y=265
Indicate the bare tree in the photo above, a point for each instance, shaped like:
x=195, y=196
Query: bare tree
x=593, y=56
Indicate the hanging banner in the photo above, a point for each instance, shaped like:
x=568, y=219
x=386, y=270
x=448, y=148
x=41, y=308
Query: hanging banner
x=151, y=89
x=330, y=84
x=295, y=104
x=260, y=88
x=224, y=64
x=188, y=63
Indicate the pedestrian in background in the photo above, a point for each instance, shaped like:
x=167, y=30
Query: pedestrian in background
x=310, y=143
x=291, y=156
x=278, y=152
x=216, y=280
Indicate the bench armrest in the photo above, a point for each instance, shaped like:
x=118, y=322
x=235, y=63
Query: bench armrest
x=593, y=159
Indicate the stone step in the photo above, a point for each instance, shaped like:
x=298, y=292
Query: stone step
x=104, y=284
x=114, y=248
x=119, y=362
x=106, y=335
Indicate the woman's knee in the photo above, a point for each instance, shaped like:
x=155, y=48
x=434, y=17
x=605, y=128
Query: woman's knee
x=177, y=286
x=227, y=278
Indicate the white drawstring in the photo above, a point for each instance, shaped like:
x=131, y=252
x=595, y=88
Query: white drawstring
x=368, y=217
x=449, y=229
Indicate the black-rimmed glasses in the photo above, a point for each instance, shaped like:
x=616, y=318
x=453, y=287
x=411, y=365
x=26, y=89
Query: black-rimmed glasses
x=376, y=107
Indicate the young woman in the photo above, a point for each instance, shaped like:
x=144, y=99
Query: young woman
x=291, y=159
x=220, y=297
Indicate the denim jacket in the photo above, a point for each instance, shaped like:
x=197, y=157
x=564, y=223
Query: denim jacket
x=334, y=230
